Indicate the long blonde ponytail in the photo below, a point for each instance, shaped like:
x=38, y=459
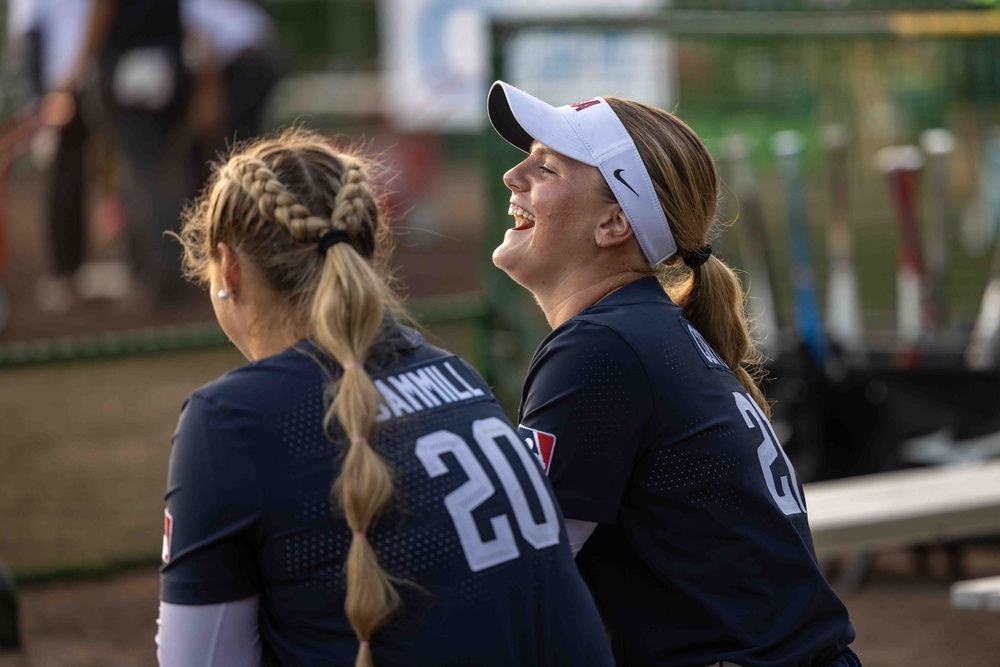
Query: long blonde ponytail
x=713, y=300
x=274, y=201
x=687, y=186
x=346, y=316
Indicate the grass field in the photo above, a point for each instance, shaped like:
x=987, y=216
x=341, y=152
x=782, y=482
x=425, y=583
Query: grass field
x=85, y=456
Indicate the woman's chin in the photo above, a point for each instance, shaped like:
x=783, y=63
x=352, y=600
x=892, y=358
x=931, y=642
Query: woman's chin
x=510, y=264
x=505, y=258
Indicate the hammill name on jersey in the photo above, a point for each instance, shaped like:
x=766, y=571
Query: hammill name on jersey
x=422, y=389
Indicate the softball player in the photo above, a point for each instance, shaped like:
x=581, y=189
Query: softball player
x=445, y=545
x=688, y=519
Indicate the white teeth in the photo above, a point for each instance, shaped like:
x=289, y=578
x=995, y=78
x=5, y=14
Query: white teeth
x=519, y=212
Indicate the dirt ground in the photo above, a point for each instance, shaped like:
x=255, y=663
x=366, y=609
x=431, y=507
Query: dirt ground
x=902, y=619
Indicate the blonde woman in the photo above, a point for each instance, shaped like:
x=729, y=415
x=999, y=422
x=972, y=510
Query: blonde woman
x=353, y=495
x=685, y=516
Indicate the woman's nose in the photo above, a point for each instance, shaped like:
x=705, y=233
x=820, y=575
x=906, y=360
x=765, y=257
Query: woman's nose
x=513, y=179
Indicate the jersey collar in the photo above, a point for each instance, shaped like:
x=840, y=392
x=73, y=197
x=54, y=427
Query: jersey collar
x=638, y=291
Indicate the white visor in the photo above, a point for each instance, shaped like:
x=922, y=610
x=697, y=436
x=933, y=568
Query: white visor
x=589, y=132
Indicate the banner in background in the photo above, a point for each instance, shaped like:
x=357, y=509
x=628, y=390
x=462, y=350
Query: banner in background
x=436, y=71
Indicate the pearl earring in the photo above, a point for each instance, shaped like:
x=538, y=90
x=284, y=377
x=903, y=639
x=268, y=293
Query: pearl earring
x=223, y=294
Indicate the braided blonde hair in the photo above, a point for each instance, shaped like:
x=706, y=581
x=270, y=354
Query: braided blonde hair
x=272, y=201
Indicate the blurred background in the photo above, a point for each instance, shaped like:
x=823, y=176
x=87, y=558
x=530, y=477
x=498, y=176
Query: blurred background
x=859, y=147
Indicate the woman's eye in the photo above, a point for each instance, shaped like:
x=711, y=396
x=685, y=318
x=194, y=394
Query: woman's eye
x=545, y=170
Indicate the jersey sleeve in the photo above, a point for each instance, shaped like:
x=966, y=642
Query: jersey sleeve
x=586, y=403
x=213, y=510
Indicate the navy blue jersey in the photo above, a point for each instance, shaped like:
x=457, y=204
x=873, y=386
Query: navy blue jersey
x=703, y=551
x=473, y=525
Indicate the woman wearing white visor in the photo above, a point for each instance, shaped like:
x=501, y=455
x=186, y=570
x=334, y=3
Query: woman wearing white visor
x=688, y=520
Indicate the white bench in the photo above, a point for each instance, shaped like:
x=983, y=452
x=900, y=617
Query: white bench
x=905, y=507
x=977, y=594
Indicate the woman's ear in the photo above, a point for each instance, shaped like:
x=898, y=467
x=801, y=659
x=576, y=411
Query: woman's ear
x=614, y=229
x=229, y=266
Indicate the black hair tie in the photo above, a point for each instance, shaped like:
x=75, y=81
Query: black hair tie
x=332, y=238
x=698, y=257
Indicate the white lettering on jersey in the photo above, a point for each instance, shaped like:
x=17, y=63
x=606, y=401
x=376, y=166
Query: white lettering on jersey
x=479, y=553
x=788, y=499
x=395, y=403
x=443, y=382
x=405, y=387
x=425, y=388
x=460, y=503
x=427, y=385
x=712, y=360
x=472, y=390
x=539, y=535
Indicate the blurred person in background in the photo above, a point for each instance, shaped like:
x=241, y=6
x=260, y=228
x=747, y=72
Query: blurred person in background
x=137, y=49
x=353, y=494
x=686, y=518
x=236, y=41
x=49, y=35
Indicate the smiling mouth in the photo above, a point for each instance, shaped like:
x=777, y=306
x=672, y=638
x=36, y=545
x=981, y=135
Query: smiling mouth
x=522, y=219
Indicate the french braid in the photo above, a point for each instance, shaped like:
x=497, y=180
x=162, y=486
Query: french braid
x=352, y=202
x=272, y=201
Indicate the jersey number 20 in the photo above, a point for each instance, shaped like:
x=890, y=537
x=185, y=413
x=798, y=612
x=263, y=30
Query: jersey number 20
x=461, y=502
x=768, y=451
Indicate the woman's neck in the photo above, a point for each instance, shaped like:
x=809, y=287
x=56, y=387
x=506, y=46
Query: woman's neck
x=270, y=333
x=564, y=304
x=262, y=347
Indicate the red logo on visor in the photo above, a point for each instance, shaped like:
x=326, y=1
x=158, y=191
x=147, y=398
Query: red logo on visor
x=580, y=106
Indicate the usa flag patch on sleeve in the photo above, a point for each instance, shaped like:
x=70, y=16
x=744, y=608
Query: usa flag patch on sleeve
x=539, y=443
x=168, y=532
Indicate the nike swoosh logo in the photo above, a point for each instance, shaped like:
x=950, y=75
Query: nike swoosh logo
x=618, y=175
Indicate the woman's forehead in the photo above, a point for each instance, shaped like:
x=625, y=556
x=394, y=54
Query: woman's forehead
x=538, y=148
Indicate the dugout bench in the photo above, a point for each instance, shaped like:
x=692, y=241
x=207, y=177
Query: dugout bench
x=977, y=594
x=854, y=516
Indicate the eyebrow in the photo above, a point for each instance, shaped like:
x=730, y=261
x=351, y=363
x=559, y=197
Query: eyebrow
x=537, y=147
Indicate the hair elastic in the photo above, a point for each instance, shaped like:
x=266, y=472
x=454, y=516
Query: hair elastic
x=357, y=441
x=360, y=533
x=352, y=364
x=698, y=257
x=365, y=644
x=332, y=238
